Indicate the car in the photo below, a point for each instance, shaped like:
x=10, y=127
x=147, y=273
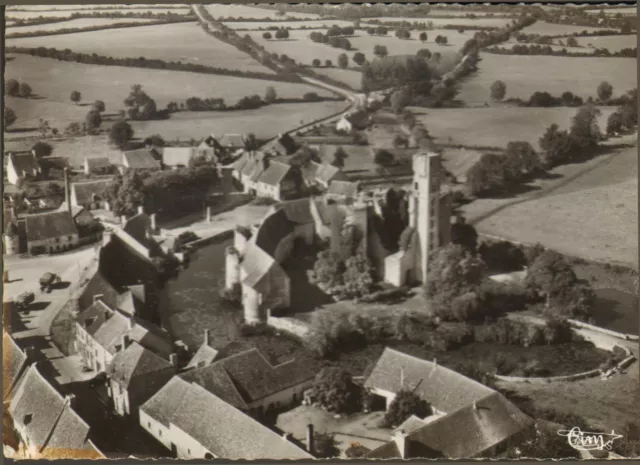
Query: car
x=47, y=281
x=23, y=300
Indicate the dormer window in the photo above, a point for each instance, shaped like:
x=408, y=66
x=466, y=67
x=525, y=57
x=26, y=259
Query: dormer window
x=28, y=418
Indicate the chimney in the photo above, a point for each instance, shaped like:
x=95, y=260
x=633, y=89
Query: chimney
x=71, y=400
x=123, y=219
x=310, y=438
x=97, y=297
x=125, y=341
x=130, y=323
x=206, y=337
x=67, y=190
x=173, y=358
x=140, y=209
x=400, y=438
x=153, y=223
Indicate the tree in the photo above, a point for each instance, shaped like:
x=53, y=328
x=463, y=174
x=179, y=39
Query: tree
x=343, y=60
x=9, y=117
x=424, y=53
x=380, y=51
x=75, y=96
x=423, y=37
x=615, y=123
x=325, y=446
x=383, y=158
x=550, y=270
x=99, y=106
x=126, y=193
x=487, y=176
x=155, y=140
x=359, y=58
x=270, y=95
x=140, y=105
x=328, y=63
x=572, y=42
x=400, y=141
x=334, y=389
x=605, y=90
x=400, y=99
x=42, y=149
x=316, y=62
x=521, y=161
x=464, y=234
x=405, y=404
x=93, y=120
x=498, y=90
x=266, y=35
x=25, y=90
x=556, y=145
x=454, y=271
x=339, y=156
x=121, y=133
x=12, y=87
x=585, y=131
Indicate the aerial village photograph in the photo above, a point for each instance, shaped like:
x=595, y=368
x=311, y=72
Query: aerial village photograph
x=311, y=231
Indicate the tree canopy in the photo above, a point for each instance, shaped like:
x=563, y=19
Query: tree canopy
x=9, y=116
x=405, y=404
x=121, y=133
x=498, y=90
x=75, y=96
x=334, y=389
x=139, y=105
x=42, y=149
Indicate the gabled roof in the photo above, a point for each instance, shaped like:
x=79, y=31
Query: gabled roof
x=75, y=209
x=85, y=192
x=14, y=364
x=328, y=173
x=205, y=355
x=98, y=285
x=343, y=188
x=136, y=362
x=274, y=228
x=232, y=141
x=257, y=264
x=177, y=156
x=410, y=425
x=140, y=159
x=25, y=164
x=388, y=450
x=50, y=225
x=274, y=174
x=216, y=425
x=445, y=389
x=97, y=163
x=210, y=141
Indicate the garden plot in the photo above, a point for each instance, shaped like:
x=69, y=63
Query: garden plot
x=185, y=42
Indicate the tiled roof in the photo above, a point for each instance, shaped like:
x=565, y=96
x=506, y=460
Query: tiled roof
x=273, y=229
x=443, y=388
x=13, y=366
x=204, y=355
x=257, y=264
x=409, y=425
x=232, y=141
x=47, y=163
x=216, y=425
x=136, y=361
x=274, y=173
x=70, y=434
x=252, y=376
x=469, y=431
x=388, y=450
x=97, y=163
x=84, y=192
x=343, y=188
x=24, y=163
x=176, y=156
x=327, y=173
x=75, y=209
x=140, y=159
x=98, y=285
x=49, y=226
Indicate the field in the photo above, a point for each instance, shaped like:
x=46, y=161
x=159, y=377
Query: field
x=54, y=80
x=555, y=47
x=589, y=211
x=76, y=23
x=65, y=13
x=551, y=29
x=185, y=42
x=249, y=12
x=495, y=127
x=613, y=43
x=614, y=11
x=462, y=22
x=525, y=75
x=351, y=77
x=311, y=23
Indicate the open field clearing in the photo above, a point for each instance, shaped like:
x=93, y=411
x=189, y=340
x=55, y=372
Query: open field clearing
x=551, y=29
x=264, y=122
x=555, y=47
x=496, y=126
x=76, y=23
x=351, y=77
x=68, y=13
x=590, y=211
x=525, y=75
x=54, y=80
x=614, y=11
x=310, y=24
x=439, y=22
x=185, y=42
x=613, y=43
x=250, y=12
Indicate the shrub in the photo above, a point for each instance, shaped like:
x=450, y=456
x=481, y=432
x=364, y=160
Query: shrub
x=449, y=336
x=534, y=368
x=502, y=365
x=557, y=331
x=334, y=389
x=405, y=404
x=502, y=256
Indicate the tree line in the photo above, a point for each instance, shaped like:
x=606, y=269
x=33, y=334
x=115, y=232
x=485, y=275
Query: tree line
x=73, y=30
x=333, y=40
x=547, y=50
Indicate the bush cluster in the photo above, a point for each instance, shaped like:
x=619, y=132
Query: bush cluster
x=335, y=41
x=534, y=49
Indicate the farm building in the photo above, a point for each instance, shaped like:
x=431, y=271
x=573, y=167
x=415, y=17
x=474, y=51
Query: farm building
x=264, y=177
x=232, y=142
x=91, y=195
x=470, y=419
x=174, y=157
x=21, y=167
x=142, y=159
x=97, y=165
x=51, y=232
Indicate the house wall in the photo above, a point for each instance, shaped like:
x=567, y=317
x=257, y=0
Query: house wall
x=127, y=401
x=54, y=244
x=275, y=290
x=288, y=397
x=120, y=397
x=12, y=176
x=186, y=446
x=94, y=355
x=156, y=429
x=267, y=190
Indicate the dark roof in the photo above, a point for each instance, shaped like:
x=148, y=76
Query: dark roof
x=204, y=355
x=84, y=192
x=388, y=450
x=216, y=425
x=274, y=174
x=136, y=362
x=343, y=188
x=99, y=285
x=50, y=225
x=140, y=159
x=272, y=230
x=443, y=388
x=13, y=366
x=97, y=163
x=60, y=163
x=24, y=163
x=70, y=434
x=232, y=141
x=212, y=142
x=282, y=145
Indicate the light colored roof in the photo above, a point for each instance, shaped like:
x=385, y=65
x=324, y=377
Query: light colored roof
x=232, y=140
x=140, y=159
x=204, y=355
x=409, y=425
x=216, y=425
x=24, y=163
x=50, y=225
x=97, y=162
x=84, y=192
x=343, y=188
x=75, y=209
x=443, y=388
x=136, y=362
x=274, y=174
x=176, y=156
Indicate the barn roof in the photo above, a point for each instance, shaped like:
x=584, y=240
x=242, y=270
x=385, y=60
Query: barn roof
x=84, y=192
x=50, y=225
x=140, y=159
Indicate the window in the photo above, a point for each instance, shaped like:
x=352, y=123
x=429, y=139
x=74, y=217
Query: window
x=148, y=424
x=160, y=432
x=189, y=451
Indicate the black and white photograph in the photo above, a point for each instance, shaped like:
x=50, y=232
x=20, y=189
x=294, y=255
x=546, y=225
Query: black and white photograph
x=320, y=231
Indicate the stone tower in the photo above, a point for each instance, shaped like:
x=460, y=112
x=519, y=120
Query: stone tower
x=424, y=209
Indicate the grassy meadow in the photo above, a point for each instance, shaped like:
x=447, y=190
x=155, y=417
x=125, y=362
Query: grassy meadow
x=351, y=77
x=75, y=23
x=250, y=12
x=525, y=75
x=439, y=22
x=185, y=42
x=311, y=23
x=552, y=29
x=67, y=12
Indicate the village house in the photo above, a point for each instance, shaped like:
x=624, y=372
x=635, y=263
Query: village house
x=469, y=420
x=97, y=165
x=199, y=413
x=232, y=142
x=15, y=364
x=50, y=232
x=21, y=167
x=46, y=421
x=142, y=159
x=264, y=177
x=176, y=157
x=321, y=174
x=91, y=195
